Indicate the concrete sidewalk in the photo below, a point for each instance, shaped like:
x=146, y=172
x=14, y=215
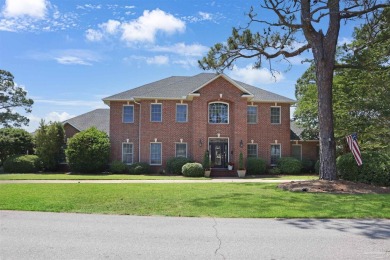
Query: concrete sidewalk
x=215, y=180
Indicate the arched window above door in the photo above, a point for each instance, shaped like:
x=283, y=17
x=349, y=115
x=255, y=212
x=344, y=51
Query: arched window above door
x=218, y=113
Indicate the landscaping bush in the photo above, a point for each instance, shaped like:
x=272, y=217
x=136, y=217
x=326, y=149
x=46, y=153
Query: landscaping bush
x=175, y=164
x=193, y=170
x=289, y=165
x=375, y=168
x=118, y=167
x=307, y=166
x=139, y=168
x=14, y=141
x=255, y=166
x=317, y=167
x=274, y=171
x=88, y=151
x=22, y=164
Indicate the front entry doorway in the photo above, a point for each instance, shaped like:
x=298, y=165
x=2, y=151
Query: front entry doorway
x=219, y=152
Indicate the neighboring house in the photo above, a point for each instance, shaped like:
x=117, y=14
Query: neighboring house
x=300, y=148
x=185, y=116
x=99, y=118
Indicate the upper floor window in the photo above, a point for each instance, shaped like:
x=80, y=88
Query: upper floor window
x=252, y=150
x=181, y=113
x=181, y=150
x=218, y=113
x=275, y=115
x=156, y=112
x=127, y=153
x=275, y=153
x=252, y=114
x=128, y=114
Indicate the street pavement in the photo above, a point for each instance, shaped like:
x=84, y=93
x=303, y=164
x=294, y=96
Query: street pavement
x=39, y=235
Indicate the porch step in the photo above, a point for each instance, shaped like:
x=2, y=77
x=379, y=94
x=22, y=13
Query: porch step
x=223, y=173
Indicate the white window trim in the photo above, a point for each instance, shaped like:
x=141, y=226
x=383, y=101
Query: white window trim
x=151, y=112
x=301, y=149
x=280, y=115
x=257, y=114
x=257, y=149
x=132, y=155
x=123, y=114
x=280, y=155
x=150, y=153
x=186, y=110
x=186, y=149
x=228, y=112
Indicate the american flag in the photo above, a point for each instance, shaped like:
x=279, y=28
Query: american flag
x=354, y=147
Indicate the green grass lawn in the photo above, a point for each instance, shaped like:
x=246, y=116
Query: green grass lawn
x=63, y=176
x=246, y=200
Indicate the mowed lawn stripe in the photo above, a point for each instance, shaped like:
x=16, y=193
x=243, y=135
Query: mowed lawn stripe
x=244, y=200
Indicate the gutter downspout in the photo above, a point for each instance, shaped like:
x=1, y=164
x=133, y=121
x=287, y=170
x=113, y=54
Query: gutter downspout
x=139, y=131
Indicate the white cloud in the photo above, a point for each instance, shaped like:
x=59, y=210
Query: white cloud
x=145, y=28
x=72, y=103
x=183, y=49
x=204, y=16
x=111, y=26
x=93, y=35
x=58, y=117
x=32, y=8
x=71, y=60
x=253, y=76
x=158, y=60
x=69, y=56
x=52, y=116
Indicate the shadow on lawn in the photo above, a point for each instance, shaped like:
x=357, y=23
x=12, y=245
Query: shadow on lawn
x=371, y=228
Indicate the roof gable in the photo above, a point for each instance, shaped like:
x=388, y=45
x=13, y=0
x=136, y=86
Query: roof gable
x=100, y=118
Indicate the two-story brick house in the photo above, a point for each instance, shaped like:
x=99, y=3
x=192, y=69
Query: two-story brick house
x=185, y=116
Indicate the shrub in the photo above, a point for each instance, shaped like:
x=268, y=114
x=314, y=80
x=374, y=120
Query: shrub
x=22, y=164
x=308, y=166
x=193, y=170
x=274, y=170
x=206, y=161
x=118, y=167
x=14, y=141
x=375, y=168
x=317, y=167
x=255, y=166
x=241, y=161
x=88, y=151
x=289, y=165
x=139, y=168
x=175, y=164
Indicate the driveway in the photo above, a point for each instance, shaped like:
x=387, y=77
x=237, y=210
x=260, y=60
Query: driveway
x=38, y=235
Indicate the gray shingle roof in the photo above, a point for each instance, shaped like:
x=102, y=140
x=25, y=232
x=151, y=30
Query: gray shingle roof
x=178, y=87
x=295, y=132
x=100, y=118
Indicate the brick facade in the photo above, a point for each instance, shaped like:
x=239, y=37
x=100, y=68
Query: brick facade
x=197, y=132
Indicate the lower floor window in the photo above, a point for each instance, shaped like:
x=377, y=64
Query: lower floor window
x=252, y=150
x=127, y=153
x=181, y=150
x=296, y=151
x=275, y=153
x=155, y=153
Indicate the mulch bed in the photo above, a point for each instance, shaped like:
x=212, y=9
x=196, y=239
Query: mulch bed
x=337, y=186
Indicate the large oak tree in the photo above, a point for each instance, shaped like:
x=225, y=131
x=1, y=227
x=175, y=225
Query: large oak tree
x=318, y=23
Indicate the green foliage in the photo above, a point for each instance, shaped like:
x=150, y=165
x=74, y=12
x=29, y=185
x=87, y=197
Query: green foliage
x=274, y=171
x=175, y=164
x=14, y=141
x=49, y=141
x=289, y=165
x=22, y=164
x=139, y=168
x=375, y=168
x=241, y=162
x=255, y=166
x=206, y=160
x=12, y=97
x=118, y=167
x=307, y=165
x=88, y=151
x=193, y=170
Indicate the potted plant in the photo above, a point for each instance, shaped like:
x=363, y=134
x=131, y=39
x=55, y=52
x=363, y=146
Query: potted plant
x=230, y=166
x=206, y=164
x=241, y=170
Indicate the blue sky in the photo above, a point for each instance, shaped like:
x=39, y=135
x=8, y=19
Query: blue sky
x=70, y=54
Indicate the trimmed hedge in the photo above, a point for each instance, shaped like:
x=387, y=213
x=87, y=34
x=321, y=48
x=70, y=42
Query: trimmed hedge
x=139, y=168
x=255, y=166
x=289, y=165
x=308, y=166
x=375, y=168
x=175, y=164
x=22, y=164
x=193, y=170
x=274, y=170
x=118, y=167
